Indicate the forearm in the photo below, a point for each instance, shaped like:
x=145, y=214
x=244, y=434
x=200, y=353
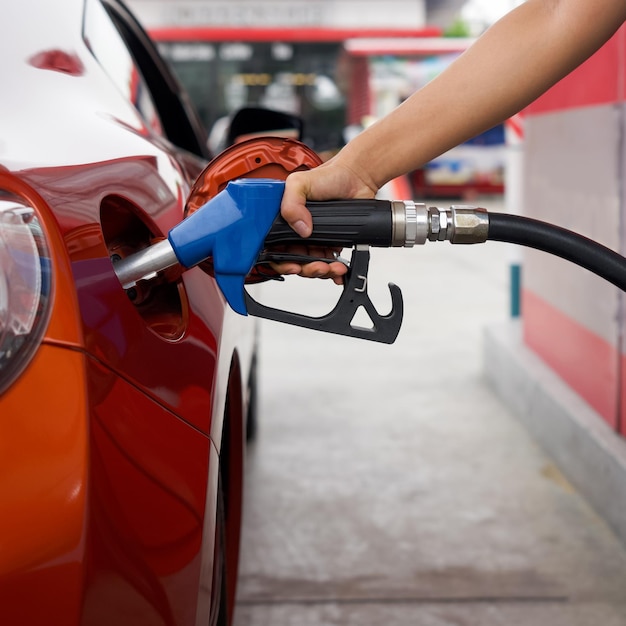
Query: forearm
x=513, y=63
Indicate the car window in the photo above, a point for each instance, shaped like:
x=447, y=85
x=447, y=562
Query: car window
x=106, y=44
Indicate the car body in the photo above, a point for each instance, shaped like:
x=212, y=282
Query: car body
x=122, y=413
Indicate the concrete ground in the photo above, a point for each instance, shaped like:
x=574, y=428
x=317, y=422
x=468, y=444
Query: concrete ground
x=389, y=485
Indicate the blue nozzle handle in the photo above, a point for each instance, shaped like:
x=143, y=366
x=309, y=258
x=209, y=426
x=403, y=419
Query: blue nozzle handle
x=231, y=228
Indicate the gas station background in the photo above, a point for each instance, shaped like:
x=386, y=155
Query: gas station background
x=338, y=65
x=341, y=64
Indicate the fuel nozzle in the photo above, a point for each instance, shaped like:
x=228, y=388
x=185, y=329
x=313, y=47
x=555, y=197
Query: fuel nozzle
x=243, y=220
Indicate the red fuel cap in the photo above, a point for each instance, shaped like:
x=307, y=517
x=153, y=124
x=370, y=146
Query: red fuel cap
x=264, y=157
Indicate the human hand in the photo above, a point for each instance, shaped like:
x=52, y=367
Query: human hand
x=330, y=181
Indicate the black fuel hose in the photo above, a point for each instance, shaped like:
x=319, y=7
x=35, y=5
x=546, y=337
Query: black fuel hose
x=560, y=242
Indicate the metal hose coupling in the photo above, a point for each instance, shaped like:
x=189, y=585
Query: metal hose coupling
x=414, y=224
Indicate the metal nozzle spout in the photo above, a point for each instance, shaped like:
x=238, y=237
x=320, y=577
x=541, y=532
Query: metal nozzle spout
x=145, y=264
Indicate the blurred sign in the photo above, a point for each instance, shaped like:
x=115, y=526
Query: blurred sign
x=234, y=13
x=349, y=14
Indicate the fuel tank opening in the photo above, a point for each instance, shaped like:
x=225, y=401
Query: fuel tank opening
x=162, y=302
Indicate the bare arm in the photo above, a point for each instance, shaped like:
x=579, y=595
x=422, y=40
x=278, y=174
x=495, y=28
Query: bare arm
x=513, y=63
x=510, y=65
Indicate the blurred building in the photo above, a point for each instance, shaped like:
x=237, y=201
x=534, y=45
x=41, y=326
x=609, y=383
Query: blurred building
x=287, y=55
x=306, y=57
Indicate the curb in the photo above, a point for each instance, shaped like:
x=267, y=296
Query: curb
x=586, y=449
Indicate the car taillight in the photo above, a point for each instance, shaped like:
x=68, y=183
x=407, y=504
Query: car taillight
x=25, y=279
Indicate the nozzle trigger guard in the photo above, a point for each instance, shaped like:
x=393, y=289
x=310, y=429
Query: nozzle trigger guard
x=385, y=328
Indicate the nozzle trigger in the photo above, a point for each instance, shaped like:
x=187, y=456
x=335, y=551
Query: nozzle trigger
x=385, y=328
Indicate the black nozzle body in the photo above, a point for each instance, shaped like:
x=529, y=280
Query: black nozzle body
x=341, y=223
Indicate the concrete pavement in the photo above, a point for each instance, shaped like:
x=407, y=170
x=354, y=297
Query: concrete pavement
x=389, y=485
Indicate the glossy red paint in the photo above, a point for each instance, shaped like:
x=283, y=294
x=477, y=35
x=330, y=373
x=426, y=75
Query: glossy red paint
x=148, y=480
x=112, y=438
x=58, y=61
x=44, y=489
x=111, y=325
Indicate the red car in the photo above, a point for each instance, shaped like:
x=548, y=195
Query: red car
x=122, y=413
